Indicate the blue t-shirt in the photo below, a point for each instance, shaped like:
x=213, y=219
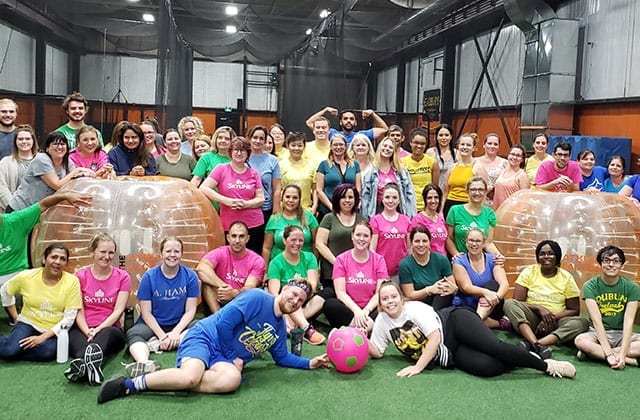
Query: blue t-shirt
x=248, y=326
x=267, y=166
x=168, y=296
x=595, y=181
x=349, y=136
x=123, y=160
x=477, y=279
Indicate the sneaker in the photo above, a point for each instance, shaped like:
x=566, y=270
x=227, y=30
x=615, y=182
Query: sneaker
x=112, y=389
x=526, y=345
x=313, y=337
x=76, y=371
x=504, y=324
x=560, y=369
x=93, y=361
x=542, y=350
x=582, y=356
x=141, y=368
x=154, y=345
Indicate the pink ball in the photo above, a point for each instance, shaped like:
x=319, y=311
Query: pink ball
x=348, y=349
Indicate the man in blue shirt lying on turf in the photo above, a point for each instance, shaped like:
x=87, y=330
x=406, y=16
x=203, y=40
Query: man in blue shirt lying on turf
x=212, y=354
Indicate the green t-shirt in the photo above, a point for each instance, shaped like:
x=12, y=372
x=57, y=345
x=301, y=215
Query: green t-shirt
x=207, y=163
x=611, y=300
x=70, y=134
x=276, y=225
x=14, y=234
x=462, y=222
x=409, y=271
x=279, y=267
x=339, y=241
x=181, y=169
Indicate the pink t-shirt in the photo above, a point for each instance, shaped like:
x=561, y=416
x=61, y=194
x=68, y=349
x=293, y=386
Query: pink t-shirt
x=243, y=186
x=99, y=296
x=361, y=279
x=95, y=162
x=235, y=271
x=392, y=239
x=385, y=178
x=438, y=230
x=547, y=172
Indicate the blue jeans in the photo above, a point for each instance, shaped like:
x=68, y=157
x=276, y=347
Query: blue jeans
x=10, y=346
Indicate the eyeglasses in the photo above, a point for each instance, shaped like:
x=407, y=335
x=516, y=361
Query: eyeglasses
x=611, y=261
x=238, y=151
x=518, y=155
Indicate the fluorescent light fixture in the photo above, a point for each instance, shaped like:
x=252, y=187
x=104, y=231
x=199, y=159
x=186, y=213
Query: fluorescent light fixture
x=133, y=1
x=324, y=13
x=148, y=17
x=308, y=32
x=231, y=10
x=231, y=29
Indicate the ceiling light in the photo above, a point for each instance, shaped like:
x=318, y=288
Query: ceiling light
x=231, y=29
x=324, y=13
x=231, y=10
x=308, y=32
x=133, y=1
x=148, y=17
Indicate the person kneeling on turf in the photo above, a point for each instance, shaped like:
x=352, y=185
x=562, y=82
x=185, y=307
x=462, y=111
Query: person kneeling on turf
x=213, y=353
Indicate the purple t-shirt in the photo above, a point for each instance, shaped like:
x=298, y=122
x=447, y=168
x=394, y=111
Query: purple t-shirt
x=392, y=239
x=243, y=186
x=99, y=296
x=94, y=162
x=235, y=271
x=547, y=172
x=438, y=230
x=361, y=279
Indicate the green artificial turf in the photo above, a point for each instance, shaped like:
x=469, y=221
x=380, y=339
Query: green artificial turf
x=40, y=391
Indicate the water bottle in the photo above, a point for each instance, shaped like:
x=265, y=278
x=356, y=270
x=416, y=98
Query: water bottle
x=296, y=341
x=63, y=346
x=128, y=319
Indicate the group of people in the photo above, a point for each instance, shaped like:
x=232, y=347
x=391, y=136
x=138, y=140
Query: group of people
x=396, y=243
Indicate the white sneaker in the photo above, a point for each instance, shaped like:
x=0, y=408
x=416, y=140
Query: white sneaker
x=154, y=345
x=141, y=368
x=560, y=369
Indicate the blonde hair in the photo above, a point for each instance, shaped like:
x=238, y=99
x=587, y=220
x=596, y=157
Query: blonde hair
x=395, y=159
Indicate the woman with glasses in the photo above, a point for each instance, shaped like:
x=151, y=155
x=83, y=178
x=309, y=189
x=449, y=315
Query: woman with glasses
x=49, y=171
x=463, y=217
x=338, y=169
x=512, y=178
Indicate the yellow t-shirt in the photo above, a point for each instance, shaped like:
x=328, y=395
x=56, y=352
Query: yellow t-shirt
x=531, y=168
x=458, y=178
x=420, y=174
x=301, y=174
x=550, y=293
x=43, y=305
x=314, y=153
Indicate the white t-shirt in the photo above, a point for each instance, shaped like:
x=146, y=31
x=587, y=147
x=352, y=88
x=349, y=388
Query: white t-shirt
x=409, y=331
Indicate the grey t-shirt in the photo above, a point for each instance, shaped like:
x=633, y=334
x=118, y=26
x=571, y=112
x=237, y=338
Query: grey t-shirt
x=32, y=188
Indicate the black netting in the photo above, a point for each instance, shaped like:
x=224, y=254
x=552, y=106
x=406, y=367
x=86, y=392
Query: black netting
x=174, y=78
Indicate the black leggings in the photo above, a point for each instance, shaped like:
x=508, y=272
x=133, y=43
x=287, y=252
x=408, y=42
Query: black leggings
x=477, y=350
x=111, y=340
x=338, y=314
